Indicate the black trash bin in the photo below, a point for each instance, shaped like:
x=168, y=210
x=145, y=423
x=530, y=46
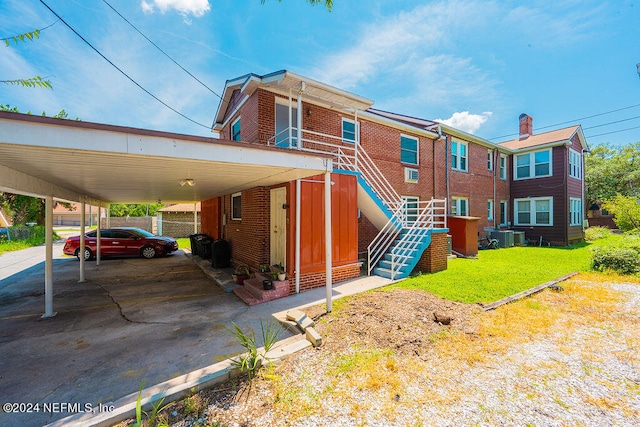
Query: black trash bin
x=193, y=239
x=204, y=246
x=220, y=254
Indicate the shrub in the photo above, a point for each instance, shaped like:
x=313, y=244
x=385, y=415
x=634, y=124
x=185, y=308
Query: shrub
x=625, y=210
x=595, y=233
x=621, y=259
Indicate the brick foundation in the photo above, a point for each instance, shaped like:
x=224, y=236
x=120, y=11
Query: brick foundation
x=318, y=280
x=434, y=258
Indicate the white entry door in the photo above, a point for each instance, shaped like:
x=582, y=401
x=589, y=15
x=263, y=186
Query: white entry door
x=278, y=226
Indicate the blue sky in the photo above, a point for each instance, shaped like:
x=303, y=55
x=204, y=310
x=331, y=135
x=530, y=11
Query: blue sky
x=475, y=64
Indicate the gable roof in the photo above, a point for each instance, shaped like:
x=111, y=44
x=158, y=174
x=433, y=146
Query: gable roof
x=284, y=82
x=551, y=139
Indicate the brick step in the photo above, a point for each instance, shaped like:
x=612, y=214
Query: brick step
x=253, y=292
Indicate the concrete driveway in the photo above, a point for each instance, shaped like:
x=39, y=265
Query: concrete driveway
x=132, y=321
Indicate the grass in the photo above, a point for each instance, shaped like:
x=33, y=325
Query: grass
x=497, y=274
x=16, y=245
x=183, y=242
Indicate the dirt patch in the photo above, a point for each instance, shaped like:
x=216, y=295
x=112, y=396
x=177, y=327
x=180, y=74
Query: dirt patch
x=399, y=319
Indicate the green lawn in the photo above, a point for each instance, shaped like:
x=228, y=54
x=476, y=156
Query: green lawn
x=496, y=274
x=183, y=242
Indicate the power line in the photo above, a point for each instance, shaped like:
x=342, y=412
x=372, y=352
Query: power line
x=613, y=123
x=163, y=52
x=120, y=70
x=575, y=120
x=615, y=131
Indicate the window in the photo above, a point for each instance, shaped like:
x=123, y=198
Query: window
x=489, y=210
x=411, y=175
x=503, y=212
x=575, y=211
x=408, y=149
x=490, y=160
x=503, y=167
x=533, y=165
x=348, y=131
x=459, y=206
x=459, y=156
x=236, y=206
x=235, y=130
x=411, y=208
x=534, y=211
x=575, y=164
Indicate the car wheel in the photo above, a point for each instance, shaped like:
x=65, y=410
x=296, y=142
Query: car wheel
x=87, y=254
x=148, y=252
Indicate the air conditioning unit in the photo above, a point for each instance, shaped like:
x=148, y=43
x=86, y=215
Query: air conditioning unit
x=504, y=237
x=518, y=238
x=411, y=175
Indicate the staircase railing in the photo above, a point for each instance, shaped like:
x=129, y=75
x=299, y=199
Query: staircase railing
x=352, y=157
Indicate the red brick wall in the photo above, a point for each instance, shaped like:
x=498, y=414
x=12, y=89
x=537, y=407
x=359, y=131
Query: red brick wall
x=318, y=280
x=434, y=258
x=249, y=237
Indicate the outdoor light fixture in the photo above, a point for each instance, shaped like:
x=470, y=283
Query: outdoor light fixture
x=187, y=181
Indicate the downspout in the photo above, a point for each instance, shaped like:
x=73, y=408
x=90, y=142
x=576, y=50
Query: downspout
x=446, y=158
x=290, y=119
x=297, y=244
x=328, y=249
x=584, y=202
x=495, y=190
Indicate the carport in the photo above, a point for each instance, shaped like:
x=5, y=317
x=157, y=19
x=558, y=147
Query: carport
x=74, y=161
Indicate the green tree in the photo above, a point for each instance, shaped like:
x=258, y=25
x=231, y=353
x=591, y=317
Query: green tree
x=625, y=210
x=612, y=170
x=122, y=210
x=36, y=81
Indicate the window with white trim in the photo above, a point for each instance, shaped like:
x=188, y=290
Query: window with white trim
x=575, y=211
x=490, y=210
x=575, y=164
x=490, y=160
x=459, y=206
x=408, y=149
x=459, y=156
x=533, y=165
x=236, y=206
x=533, y=211
x=348, y=131
x=503, y=212
x=503, y=167
x=235, y=130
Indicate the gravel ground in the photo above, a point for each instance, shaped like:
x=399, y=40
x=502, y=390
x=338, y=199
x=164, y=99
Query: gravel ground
x=554, y=359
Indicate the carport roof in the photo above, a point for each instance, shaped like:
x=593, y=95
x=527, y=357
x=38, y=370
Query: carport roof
x=98, y=163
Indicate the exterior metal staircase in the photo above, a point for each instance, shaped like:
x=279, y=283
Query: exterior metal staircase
x=404, y=227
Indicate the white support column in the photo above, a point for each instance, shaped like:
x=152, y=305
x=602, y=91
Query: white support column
x=328, y=245
x=48, y=266
x=82, y=239
x=108, y=216
x=98, y=252
x=297, y=249
x=299, y=130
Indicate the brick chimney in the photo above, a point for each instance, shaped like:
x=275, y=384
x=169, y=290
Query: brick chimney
x=526, y=126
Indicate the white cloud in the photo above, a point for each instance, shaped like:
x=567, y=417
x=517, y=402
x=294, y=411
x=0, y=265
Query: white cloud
x=465, y=121
x=196, y=8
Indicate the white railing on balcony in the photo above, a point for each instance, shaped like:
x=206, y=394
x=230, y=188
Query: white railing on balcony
x=349, y=155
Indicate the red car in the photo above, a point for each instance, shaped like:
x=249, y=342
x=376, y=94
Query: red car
x=122, y=242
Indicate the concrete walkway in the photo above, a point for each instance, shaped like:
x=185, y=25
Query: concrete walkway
x=132, y=321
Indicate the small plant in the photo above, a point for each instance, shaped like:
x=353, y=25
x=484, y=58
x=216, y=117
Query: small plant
x=623, y=260
x=595, y=233
x=251, y=361
x=152, y=420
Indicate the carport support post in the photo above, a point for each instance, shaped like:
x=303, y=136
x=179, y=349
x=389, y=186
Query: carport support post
x=48, y=266
x=82, y=240
x=195, y=218
x=98, y=235
x=328, y=246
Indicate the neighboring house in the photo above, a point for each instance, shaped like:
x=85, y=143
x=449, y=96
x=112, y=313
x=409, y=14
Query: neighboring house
x=395, y=180
x=179, y=220
x=547, y=183
x=64, y=216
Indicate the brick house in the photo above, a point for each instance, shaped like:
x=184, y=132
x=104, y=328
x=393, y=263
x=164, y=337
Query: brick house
x=395, y=180
x=547, y=183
